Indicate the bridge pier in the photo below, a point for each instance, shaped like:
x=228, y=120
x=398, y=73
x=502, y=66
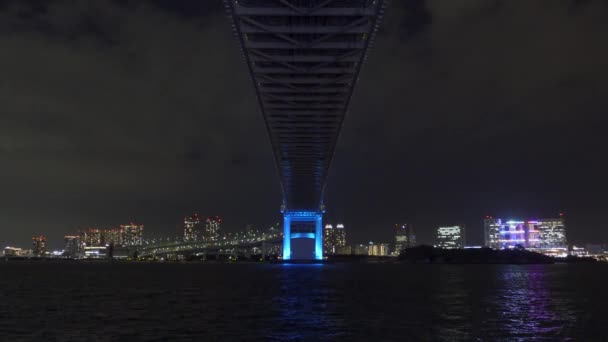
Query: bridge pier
x=315, y=217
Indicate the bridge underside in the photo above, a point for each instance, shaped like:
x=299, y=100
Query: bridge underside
x=304, y=57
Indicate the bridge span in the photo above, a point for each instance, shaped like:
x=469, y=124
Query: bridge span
x=304, y=57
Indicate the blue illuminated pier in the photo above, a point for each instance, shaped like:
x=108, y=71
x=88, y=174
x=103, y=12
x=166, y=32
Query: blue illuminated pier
x=290, y=217
x=304, y=57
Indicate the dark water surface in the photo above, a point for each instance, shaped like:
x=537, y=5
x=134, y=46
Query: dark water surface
x=51, y=301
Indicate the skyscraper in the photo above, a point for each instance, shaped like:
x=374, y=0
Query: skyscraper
x=132, y=234
x=451, y=237
x=72, y=246
x=212, y=229
x=91, y=237
x=39, y=245
x=552, y=233
x=192, y=228
x=404, y=237
x=111, y=236
x=334, y=239
x=491, y=229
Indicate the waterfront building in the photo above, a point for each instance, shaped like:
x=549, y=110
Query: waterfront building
x=544, y=235
x=13, y=251
x=451, y=237
x=360, y=249
x=111, y=236
x=334, y=239
x=39, y=245
x=92, y=237
x=491, y=228
x=132, y=234
x=378, y=249
x=96, y=252
x=192, y=228
x=404, y=237
x=72, y=246
x=552, y=233
x=212, y=229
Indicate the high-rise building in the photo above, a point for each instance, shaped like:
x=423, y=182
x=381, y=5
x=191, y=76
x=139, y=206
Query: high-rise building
x=192, y=228
x=72, y=246
x=491, y=229
x=92, y=237
x=451, y=237
x=541, y=234
x=39, y=245
x=378, y=249
x=334, y=239
x=111, y=236
x=404, y=237
x=552, y=233
x=212, y=229
x=132, y=234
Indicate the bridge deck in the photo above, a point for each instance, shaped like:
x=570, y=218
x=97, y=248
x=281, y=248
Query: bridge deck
x=304, y=57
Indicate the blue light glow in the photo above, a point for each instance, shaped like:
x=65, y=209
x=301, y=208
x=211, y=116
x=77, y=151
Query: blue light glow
x=303, y=216
x=303, y=235
x=286, y=237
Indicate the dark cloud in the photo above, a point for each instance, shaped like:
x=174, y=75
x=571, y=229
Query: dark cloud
x=114, y=110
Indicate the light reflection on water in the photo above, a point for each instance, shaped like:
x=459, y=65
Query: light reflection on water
x=252, y=302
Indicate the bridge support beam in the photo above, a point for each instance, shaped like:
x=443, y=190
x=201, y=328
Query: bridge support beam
x=286, y=237
x=315, y=217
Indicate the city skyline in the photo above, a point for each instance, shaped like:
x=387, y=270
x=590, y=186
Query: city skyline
x=399, y=236
x=180, y=128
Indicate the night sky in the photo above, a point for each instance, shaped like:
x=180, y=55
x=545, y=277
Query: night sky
x=112, y=111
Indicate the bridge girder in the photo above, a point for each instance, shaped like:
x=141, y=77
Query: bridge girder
x=304, y=57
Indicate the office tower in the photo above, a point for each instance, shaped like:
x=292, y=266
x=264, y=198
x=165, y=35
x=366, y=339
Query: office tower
x=92, y=237
x=334, y=239
x=192, y=228
x=404, y=237
x=541, y=234
x=552, y=233
x=212, y=229
x=451, y=237
x=328, y=232
x=132, y=234
x=491, y=228
x=111, y=236
x=378, y=249
x=39, y=245
x=72, y=246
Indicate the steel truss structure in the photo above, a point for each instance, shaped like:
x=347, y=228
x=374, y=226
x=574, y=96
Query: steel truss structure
x=304, y=57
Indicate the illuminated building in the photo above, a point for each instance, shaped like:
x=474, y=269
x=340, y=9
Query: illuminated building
x=13, y=251
x=545, y=235
x=39, y=245
x=361, y=249
x=378, y=249
x=552, y=233
x=344, y=250
x=404, y=237
x=132, y=234
x=334, y=239
x=192, y=228
x=97, y=252
x=450, y=237
x=92, y=237
x=72, y=246
x=491, y=229
x=212, y=229
x=111, y=236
